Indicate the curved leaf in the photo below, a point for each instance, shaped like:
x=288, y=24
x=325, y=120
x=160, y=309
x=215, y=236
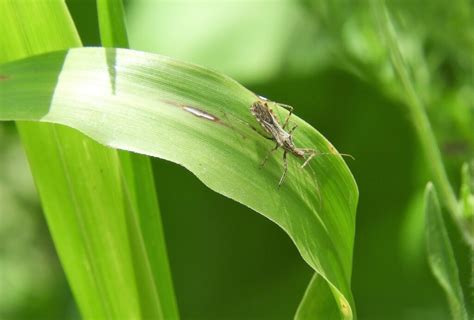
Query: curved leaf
x=197, y=118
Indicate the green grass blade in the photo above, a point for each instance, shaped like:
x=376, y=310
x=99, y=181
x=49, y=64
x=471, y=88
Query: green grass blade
x=197, y=118
x=441, y=256
x=113, y=32
x=79, y=181
x=139, y=180
x=97, y=264
x=151, y=269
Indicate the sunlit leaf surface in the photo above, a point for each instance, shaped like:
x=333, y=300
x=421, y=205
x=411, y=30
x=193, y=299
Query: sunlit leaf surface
x=197, y=118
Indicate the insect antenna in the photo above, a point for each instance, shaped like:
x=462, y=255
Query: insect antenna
x=314, y=153
x=341, y=154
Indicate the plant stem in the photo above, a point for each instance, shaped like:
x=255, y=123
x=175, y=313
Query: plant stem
x=420, y=121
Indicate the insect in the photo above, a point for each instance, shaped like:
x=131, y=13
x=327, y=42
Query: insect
x=284, y=139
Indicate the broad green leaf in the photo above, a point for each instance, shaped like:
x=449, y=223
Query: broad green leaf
x=161, y=107
x=440, y=255
x=91, y=209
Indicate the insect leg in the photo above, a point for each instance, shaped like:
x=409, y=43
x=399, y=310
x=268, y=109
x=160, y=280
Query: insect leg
x=316, y=153
x=313, y=153
x=290, y=109
x=268, y=155
x=235, y=118
x=285, y=166
x=292, y=129
x=286, y=106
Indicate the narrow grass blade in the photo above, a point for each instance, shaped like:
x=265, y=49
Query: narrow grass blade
x=113, y=32
x=138, y=179
x=441, y=256
x=80, y=183
x=199, y=119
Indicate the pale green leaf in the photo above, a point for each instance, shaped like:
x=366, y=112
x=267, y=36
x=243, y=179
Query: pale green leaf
x=161, y=107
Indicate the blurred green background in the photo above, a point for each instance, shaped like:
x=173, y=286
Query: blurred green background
x=328, y=61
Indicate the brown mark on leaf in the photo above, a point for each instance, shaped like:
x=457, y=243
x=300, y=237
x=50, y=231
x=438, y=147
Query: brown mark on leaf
x=4, y=77
x=194, y=111
x=200, y=113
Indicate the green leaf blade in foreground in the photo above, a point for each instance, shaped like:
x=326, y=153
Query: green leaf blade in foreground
x=441, y=256
x=148, y=235
x=197, y=118
x=79, y=182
